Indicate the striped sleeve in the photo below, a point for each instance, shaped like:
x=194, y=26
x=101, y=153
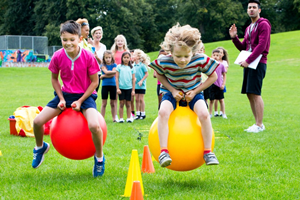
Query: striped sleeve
x=157, y=67
x=209, y=66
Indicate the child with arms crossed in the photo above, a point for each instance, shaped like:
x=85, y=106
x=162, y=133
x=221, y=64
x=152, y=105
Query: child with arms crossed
x=180, y=75
x=78, y=71
x=109, y=84
x=125, y=82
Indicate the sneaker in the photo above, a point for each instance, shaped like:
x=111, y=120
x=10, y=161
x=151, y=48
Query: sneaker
x=255, y=129
x=99, y=167
x=164, y=159
x=130, y=120
x=216, y=115
x=121, y=120
x=210, y=159
x=224, y=116
x=250, y=127
x=137, y=117
x=38, y=155
x=142, y=117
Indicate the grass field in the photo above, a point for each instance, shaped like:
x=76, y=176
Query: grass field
x=252, y=166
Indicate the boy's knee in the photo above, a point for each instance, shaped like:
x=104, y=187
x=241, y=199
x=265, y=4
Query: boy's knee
x=94, y=128
x=163, y=113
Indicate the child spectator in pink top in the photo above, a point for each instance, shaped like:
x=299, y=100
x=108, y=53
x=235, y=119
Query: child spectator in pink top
x=78, y=70
x=217, y=89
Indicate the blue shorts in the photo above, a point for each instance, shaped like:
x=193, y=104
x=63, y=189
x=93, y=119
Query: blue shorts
x=169, y=97
x=90, y=102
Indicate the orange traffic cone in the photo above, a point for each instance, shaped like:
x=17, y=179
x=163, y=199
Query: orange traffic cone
x=147, y=164
x=136, y=193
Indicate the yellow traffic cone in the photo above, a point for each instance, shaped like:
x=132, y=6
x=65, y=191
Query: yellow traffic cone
x=134, y=174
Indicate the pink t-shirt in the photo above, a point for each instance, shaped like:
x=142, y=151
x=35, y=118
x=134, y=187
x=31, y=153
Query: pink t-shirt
x=74, y=73
x=220, y=70
x=118, y=57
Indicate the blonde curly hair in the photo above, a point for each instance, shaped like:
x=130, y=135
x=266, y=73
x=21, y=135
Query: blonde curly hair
x=142, y=56
x=183, y=36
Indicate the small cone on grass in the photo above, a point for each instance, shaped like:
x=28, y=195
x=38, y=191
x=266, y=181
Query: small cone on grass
x=136, y=193
x=0, y=153
x=134, y=174
x=147, y=164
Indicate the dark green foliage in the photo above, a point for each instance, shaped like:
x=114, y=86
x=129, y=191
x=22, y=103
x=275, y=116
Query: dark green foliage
x=143, y=22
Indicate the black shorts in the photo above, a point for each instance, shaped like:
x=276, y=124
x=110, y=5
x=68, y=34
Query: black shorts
x=216, y=93
x=112, y=90
x=125, y=94
x=253, y=79
x=207, y=93
x=70, y=98
x=140, y=91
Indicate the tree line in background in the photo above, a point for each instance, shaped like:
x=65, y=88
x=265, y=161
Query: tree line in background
x=143, y=22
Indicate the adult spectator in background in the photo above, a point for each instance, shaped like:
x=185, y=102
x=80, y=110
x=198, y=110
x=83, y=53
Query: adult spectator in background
x=257, y=41
x=97, y=34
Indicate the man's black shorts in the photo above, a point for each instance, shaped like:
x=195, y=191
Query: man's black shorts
x=253, y=79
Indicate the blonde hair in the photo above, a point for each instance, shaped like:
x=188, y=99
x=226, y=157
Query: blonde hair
x=114, y=47
x=142, y=56
x=183, y=36
x=82, y=22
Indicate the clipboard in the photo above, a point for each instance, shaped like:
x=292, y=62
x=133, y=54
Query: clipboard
x=244, y=55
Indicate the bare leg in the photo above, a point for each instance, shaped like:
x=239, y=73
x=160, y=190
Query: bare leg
x=113, y=108
x=41, y=119
x=216, y=105
x=91, y=116
x=222, y=105
x=211, y=103
x=137, y=102
x=162, y=126
x=142, y=103
x=257, y=107
x=121, y=106
x=128, y=109
x=206, y=128
x=103, y=107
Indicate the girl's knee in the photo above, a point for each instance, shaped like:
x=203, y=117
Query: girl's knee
x=203, y=116
x=38, y=122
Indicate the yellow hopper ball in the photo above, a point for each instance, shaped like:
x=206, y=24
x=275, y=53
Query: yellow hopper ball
x=185, y=143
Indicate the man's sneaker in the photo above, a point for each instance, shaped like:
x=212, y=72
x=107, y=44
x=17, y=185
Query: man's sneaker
x=99, y=167
x=216, y=115
x=130, y=120
x=121, y=120
x=142, y=117
x=210, y=159
x=164, y=159
x=38, y=155
x=137, y=117
x=255, y=129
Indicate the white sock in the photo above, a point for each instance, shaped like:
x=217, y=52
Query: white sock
x=221, y=113
x=137, y=113
x=143, y=113
x=99, y=159
x=38, y=148
x=216, y=112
